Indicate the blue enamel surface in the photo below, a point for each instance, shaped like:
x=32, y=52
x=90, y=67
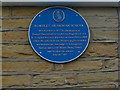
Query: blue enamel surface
x=70, y=17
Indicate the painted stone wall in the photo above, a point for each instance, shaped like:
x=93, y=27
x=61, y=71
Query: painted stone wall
x=96, y=68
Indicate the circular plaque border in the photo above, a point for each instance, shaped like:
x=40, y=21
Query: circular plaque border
x=57, y=61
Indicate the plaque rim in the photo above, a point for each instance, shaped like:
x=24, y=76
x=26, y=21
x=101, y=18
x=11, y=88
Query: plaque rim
x=64, y=60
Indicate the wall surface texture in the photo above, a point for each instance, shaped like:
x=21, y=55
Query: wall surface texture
x=96, y=68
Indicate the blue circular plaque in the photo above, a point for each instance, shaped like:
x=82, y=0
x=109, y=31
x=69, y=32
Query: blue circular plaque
x=59, y=34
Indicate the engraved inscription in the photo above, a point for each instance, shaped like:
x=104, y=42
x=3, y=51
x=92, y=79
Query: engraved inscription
x=60, y=40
